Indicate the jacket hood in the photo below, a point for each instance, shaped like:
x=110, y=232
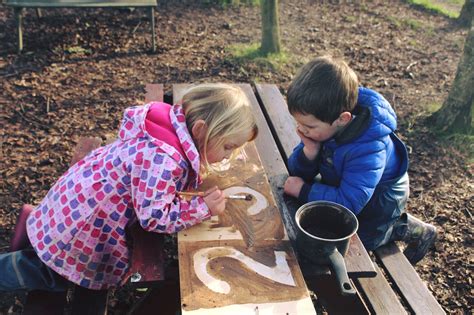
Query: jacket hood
x=133, y=126
x=383, y=118
x=374, y=118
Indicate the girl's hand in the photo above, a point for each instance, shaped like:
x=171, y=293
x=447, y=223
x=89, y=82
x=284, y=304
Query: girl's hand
x=293, y=185
x=311, y=147
x=215, y=200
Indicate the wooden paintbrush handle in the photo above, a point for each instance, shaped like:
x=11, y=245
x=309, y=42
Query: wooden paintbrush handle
x=191, y=193
x=202, y=194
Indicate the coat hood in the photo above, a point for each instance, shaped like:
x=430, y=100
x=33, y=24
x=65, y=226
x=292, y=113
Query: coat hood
x=374, y=118
x=133, y=126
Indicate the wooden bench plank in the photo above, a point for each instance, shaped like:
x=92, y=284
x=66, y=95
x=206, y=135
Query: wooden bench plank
x=147, y=262
x=357, y=259
x=253, y=267
x=379, y=295
x=328, y=293
x=399, y=269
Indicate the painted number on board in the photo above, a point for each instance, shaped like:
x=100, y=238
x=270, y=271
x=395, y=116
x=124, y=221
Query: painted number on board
x=279, y=273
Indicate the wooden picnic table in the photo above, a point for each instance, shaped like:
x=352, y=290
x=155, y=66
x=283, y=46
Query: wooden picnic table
x=405, y=293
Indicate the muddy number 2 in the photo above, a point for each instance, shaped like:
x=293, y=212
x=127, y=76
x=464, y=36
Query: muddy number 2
x=280, y=272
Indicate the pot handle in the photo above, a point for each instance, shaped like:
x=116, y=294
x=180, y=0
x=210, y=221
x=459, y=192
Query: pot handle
x=339, y=267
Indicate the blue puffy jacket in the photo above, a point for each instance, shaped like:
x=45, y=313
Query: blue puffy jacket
x=363, y=168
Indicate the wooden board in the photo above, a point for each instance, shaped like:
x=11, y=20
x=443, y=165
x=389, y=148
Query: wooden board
x=153, y=93
x=281, y=123
x=241, y=262
x=274, y=108
x=379, y=295
x=399, y=269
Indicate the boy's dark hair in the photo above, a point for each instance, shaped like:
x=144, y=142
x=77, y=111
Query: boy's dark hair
x=324, y=87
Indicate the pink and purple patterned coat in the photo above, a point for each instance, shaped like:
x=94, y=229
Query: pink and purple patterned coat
x=78, y=230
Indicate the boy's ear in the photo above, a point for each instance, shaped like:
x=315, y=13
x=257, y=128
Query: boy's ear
x=199, y=130
x=344, y=118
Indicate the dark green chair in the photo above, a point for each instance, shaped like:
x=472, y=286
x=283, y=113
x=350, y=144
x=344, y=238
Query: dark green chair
x=18, y=6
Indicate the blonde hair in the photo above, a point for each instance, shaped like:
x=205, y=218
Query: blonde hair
x=224, y=108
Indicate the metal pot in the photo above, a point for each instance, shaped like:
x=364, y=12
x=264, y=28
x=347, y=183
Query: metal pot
x=324, y=231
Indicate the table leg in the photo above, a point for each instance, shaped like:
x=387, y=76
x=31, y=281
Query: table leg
x=19, y=18
x=153, y=34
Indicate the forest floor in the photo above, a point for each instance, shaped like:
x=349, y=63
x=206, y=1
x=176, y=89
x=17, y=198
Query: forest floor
x=81, y=68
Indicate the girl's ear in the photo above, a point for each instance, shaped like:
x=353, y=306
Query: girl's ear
x=199, y=130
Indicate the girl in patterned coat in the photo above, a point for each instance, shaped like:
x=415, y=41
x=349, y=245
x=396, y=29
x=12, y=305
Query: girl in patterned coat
x=78, y=231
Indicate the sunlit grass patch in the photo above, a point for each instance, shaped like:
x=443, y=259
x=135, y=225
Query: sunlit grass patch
x=451, y=9
x=410, y=23
x=243, y=53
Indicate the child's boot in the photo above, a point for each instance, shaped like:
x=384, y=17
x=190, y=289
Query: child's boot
x=419, y=236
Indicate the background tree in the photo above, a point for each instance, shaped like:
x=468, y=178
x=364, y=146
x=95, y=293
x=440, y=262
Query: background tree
x=456, y=113
x=270, y=28
x=465, y=16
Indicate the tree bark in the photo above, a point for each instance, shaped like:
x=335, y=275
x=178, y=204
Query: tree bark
x=456, y=113
x=270, y=27
x=467, y=11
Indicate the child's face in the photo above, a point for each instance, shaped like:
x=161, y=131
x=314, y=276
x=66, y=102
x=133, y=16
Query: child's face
x=218, y=152
x=315, y=129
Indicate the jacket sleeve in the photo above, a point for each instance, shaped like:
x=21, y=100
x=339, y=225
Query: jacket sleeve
x=299, y=165
x=363, y=169
x=154, y=182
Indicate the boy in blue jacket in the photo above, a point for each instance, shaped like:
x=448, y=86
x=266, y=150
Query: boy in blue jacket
x=347, y=136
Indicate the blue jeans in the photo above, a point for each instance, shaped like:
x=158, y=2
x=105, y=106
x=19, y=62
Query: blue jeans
x=23, y=270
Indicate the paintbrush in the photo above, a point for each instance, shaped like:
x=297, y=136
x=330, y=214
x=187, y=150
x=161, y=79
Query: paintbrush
x=246, y=197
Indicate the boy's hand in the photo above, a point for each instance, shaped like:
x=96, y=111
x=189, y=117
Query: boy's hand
x=215, y=200
x=311, y=147
x=293, y=185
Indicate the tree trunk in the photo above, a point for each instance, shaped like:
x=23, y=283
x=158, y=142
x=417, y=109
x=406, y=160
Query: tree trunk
x=270, y=27
x=456, y=113
x=467, y=11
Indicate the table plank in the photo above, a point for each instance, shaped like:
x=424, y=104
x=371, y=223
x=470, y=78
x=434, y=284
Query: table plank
x=279, y=118
x=273, y=107
x=241, y=262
